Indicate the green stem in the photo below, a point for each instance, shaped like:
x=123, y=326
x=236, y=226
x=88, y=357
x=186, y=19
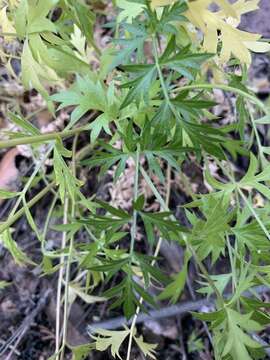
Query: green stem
x=162, y=81
x=39, y=164
x=19, y=213
x=47, y=221
x=135, y=214
x=253, y=212
x=59, y=350
x=232, y=263
x=69, y=258
x=223, y=87
x=133, y=237
x=260, y=149
x=8, y=34
x=41, y=138
x=133, y=324
x=161, y=78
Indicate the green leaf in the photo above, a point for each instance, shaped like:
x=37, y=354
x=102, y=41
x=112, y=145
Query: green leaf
x=18, y=255
x=101, y=122
x=63, y=177
x=253, y=180
x=265, y=120
x=162, y=222
x=112, y=265
x=185, y=62
x=208, y=236
x=238, y=341
x=86, y=94
x=112, y=210
x=81, y=352
x=105, y=339
x=139, y=203
x=129, y=10
x=4, y=284
x=133, y=44
x=252, y=236
x=23, y=123
x=88, y=299
x=220, y=281
x=175, y=288
x=4, y=194
x=37, y=20
x=30, y=220
x=146, y=348
x=84, y=19
x=32, y=71
x=140, y=86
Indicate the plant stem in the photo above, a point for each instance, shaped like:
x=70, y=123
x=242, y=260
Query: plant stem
x=8, y=34
x=28, y=184
x=253, y=212
x=260, y=149
x=223, y=87
x=20, y=212
x=59, y=284
x=133, y=237
x=41, y=138
x=69, y=258
x=162, y=81
x=47, y=221
x=135, y=214
x=134, y=320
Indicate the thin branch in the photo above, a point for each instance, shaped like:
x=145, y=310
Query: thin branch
x=69, y=258
x=32, y=202
x=41, y=138
x=134, y=320
x=59, y=285
x=133, y=236
x=223, y=87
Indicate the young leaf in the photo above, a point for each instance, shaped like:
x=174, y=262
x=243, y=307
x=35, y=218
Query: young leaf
x=146, y=348
x=175, y=288
x=5, y=194
x=217, y=28
x=88, y=299
x=105, y=339
x=18, y=255
x=129, y=10
x=81, y=352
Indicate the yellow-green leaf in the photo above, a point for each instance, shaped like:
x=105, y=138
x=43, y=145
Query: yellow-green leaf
x=89, y=299
x=158, y=3
x=6, y=24
x=110, y=338
x=258, y=46
x=146, y=348
x=220, y=27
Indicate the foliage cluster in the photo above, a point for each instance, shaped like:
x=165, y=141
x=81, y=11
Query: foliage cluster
x=152, y=107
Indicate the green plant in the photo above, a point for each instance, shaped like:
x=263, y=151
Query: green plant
x=151, y=107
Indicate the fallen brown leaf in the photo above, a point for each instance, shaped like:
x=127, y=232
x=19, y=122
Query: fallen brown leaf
x=8, y=171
